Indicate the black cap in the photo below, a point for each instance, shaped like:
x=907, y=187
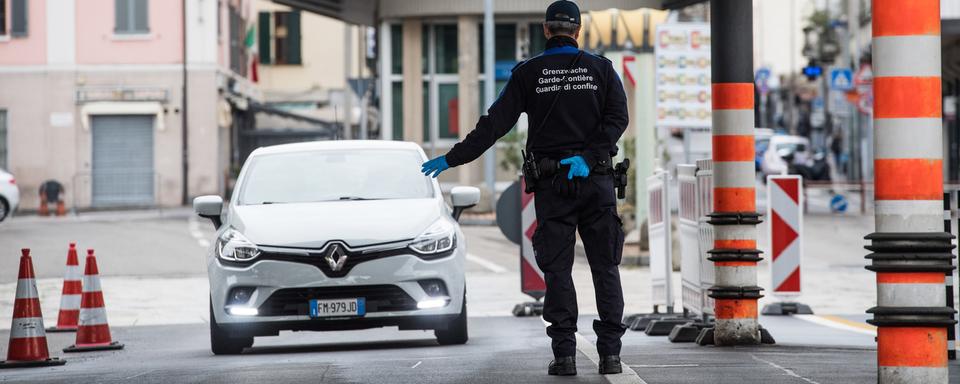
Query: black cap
x=563, y=10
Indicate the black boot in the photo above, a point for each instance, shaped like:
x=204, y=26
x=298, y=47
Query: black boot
x=610, y=365
x=563, y=366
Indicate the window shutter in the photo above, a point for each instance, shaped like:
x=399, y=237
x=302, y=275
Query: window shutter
x=293, y=38
x=140, y=16
x=3, y=17
x=263, y=42
x=18, y=18
x=120, y=12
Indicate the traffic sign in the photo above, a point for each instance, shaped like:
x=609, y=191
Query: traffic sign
x=785, y=194
x=841, y=79
x=762, y=80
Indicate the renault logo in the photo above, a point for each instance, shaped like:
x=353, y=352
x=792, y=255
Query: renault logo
x=335, y=258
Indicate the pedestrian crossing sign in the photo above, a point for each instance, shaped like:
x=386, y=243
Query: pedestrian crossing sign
x=841, y=79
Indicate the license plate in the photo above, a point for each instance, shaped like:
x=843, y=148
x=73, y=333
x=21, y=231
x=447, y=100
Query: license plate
x=338, y=308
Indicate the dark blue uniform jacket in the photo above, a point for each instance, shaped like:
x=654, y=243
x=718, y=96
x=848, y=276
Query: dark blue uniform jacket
x=589, y=117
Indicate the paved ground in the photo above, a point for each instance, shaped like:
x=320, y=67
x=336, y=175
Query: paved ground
x=155, y=288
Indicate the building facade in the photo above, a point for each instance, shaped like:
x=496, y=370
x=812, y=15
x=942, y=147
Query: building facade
x=92, y=96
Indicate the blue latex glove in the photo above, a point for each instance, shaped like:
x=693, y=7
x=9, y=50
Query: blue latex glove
x=435, y=166
x=578, y=167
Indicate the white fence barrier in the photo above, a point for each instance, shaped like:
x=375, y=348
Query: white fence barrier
x=704, y=193
x=658, y=231
x=691, y=293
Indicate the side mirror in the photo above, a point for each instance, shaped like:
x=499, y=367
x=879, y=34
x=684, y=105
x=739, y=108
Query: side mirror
x=463, y=198
x=209, y=207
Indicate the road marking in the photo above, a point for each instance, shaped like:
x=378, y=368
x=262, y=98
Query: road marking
x=785, y=370
x=417, y=364
x=666, y=366
x=840, y=323
x=493, y=267
x=629, y=376
x=139, y=374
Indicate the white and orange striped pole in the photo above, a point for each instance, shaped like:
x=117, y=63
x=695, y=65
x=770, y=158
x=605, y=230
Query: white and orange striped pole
x=70, y=295
x=735, y=254
x=911, y=251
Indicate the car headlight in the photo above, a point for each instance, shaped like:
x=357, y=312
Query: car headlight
x=440, y=237
x=233, y=246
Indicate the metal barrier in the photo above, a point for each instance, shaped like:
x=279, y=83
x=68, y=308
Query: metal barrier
x=691, y=293
x=658, y=232
x=704, y=192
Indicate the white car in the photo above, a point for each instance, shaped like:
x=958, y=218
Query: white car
x=336, y=235
x=9, y=195
x=773, y=163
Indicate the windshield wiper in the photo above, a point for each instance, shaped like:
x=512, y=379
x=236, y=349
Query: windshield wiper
x=355, y=198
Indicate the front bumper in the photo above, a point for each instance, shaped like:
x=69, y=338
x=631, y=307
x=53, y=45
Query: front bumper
x=282, y=290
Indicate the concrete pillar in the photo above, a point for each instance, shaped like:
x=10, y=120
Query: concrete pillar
x=735, y=254
x=468, y=89
x=911, y=251
x=413, y=80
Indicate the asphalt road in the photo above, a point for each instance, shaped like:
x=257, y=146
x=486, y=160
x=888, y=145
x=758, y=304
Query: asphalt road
x=501, y=350
x=155, y=289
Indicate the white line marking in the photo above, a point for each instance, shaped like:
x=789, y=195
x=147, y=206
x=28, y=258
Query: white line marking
x=139, y=374
x=833, y=324
x=628, y=376
x=417, y=364
x=493, y=267
x=665, y=366
x=785, y=370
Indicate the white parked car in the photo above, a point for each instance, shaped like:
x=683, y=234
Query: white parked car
x=336, y=235
x=773, y=163
x=9, y=195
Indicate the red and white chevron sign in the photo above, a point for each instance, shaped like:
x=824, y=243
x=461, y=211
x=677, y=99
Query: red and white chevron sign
x=785, y=212
x=531, y=277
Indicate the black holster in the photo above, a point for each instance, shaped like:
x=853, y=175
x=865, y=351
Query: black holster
x=620, y=179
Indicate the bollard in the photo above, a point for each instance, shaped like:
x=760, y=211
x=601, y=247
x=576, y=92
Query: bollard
x=911, y=252
x=948, y=279
x=735, y=254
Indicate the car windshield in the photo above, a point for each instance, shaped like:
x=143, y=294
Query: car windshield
x=332, y=175
x=792, y=147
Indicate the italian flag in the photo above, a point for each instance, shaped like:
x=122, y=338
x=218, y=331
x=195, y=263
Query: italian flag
x=250, y=41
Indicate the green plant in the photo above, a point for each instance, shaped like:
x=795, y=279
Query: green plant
x=512, y=143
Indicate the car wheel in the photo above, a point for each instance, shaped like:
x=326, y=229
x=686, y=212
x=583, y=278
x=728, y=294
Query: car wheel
x=4, y=209
x=220, y=341
x=456, y=332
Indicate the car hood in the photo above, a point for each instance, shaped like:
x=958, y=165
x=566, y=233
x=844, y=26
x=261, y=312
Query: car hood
x=357, y=223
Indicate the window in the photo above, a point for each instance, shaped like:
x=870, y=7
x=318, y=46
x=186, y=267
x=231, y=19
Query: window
x=538, y=42
x=396, y=49
x=281, y=32
x=238, y=50
x=3, y=139
x=13, y=19
x=130, y=17
x=505, y=43
x=3, y=17
x=397, y=110
x=286, y=34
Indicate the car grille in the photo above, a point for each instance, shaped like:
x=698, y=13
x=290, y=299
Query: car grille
x=295, y=301
x=318, y=258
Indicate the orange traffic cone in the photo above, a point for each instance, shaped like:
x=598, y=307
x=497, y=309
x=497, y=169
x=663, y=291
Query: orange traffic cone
x=93, y=334
x=28, y=342
x=70, y=296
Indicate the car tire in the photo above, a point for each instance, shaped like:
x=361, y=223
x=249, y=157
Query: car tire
x=4, y=209
x=220, y=341
x=456, y=332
